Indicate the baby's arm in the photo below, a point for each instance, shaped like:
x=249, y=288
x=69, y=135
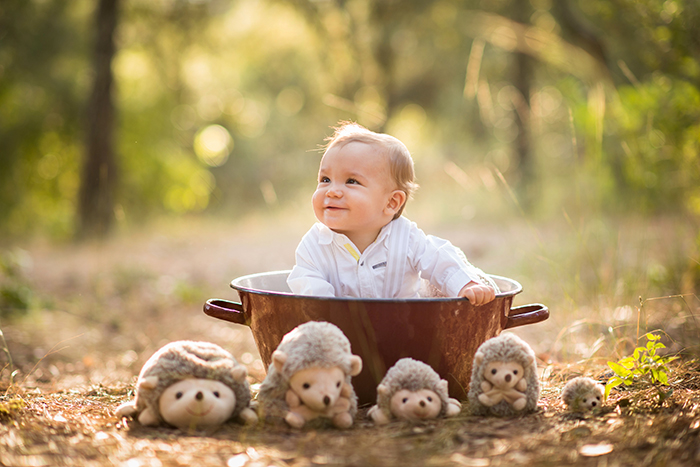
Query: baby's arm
x=307, y=277
x=477, y=294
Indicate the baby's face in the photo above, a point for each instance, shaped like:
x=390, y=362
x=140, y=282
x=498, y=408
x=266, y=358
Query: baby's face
x=354, y=193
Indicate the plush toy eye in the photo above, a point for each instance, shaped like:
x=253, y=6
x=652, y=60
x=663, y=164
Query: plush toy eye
x=494, y=371
x=178, y=395
x=430, y=399
x=515, y=372
x=405, y=399
x=337, y=384
x=216, y=394
x=597, y=397
x=306, y=386
x=584, y=401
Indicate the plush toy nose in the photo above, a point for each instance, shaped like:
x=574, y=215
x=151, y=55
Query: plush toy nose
x=593, y=404
x=422, y=403
x=508, y=378
x=326, y=400
x=199, y=396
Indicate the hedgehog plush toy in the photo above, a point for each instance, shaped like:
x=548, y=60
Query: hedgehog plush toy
x=190, y=385
x=309, y=377
x=504, y=377
x=581, y=394
x=412, y=390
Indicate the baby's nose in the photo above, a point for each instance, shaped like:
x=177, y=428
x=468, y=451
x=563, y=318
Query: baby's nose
x=334, y=192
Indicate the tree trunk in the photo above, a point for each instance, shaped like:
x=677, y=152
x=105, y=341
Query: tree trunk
x=522, y=81
x=99, y=174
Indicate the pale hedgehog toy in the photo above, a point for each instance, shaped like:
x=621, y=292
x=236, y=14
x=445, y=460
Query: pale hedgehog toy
x=581, y=394
x=504, y=377
x=309, y=377
x=412, y=390
x=190, y=385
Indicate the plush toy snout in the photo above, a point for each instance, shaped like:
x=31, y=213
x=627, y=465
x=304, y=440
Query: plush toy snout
x=503, y=374
x=415, y=405
x=194, y=403
x=318, y=388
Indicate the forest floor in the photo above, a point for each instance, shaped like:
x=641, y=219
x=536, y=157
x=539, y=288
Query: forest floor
x=88, y=316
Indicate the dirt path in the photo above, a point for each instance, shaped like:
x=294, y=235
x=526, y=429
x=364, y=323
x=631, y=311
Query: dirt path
x=97, y=312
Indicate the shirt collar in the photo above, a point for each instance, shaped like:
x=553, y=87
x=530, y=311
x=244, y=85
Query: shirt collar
x=326, y=235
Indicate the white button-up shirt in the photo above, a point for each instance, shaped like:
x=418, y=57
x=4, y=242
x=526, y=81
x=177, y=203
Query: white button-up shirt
x=329, y=264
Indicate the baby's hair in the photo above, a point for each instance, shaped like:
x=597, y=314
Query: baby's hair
x=400, y=161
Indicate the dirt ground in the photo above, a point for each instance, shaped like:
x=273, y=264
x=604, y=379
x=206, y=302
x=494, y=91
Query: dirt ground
x=97, y=312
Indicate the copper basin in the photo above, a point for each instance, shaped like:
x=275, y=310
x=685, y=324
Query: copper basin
x=442, y=332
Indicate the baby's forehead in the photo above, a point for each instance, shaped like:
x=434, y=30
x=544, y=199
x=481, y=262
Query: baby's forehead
x=370, y=154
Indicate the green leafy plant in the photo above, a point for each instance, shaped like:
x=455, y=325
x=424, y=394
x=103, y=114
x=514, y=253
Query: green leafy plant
x=643, y=365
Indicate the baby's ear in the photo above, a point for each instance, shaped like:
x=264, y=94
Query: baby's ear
x=278, y=359
x=396, y=200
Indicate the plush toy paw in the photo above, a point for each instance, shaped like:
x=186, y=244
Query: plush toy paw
x=295, y=420
x=454, y=407
x=378, y=416
x=342, y=420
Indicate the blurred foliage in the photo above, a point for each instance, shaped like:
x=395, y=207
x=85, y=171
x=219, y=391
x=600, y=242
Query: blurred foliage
x=16, y=295
x=222, y=103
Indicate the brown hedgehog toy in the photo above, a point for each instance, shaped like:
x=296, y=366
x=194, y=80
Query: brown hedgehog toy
x=412, y=390
x=504, y=377
x=581, y=394
x=309, y=377
x=190, y=385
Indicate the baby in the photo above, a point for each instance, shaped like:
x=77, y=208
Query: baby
x=362, y=246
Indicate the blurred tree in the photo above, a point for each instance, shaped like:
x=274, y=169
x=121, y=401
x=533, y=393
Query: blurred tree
x=99, y=174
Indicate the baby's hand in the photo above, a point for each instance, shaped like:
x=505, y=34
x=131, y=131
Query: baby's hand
x=477, y=294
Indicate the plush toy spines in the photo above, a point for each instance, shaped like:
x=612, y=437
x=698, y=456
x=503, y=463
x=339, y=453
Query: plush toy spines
x=181, y=360
x=582, y=394
x=505, y=348
x=314, y=344
x=412, y=375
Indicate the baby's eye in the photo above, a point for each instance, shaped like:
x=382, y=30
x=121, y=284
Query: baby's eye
x=178, y=395
x=323, y=179
x=216, y=394
x=494, y=371
x=306, y=385
x=405, y=399
x=352, y=181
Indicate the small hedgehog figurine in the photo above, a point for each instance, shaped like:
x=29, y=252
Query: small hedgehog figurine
x=412, y=390
x=504, y=377
x=309, y=377
x=581, y=394
x=190, y=385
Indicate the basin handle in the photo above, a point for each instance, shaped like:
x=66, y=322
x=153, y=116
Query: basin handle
x=527, y=314
x=226, y=310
